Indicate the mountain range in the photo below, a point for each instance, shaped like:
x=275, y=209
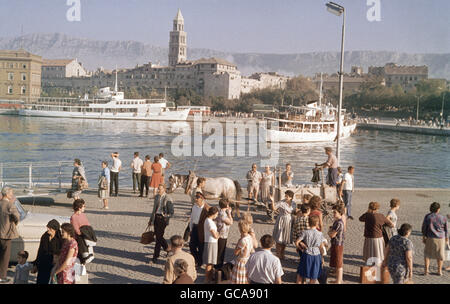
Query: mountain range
x=94, y=54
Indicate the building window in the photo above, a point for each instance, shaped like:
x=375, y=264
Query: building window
x=24, y=66
x=24, y=77
x=10, y=76
x=10, y=89
x=23, y=90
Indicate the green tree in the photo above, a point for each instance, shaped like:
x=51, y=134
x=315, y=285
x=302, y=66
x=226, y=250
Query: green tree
x=427, y=87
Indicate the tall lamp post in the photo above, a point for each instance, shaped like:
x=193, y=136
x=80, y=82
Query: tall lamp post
x=417, y=110
x=339, y=10
x=442, y=109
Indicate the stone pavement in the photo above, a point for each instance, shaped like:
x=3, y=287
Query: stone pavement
x=121, y=259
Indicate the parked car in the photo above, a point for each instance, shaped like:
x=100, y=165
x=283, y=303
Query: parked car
x=31, y=227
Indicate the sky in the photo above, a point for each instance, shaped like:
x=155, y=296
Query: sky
x=260, y=26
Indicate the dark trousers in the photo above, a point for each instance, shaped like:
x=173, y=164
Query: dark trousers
x=136, y=181
x=145, y=180
x=44, y=272
x=187, y=233
x=195, y=246
x=221, y=248
x=347, y=198
x=332, y=177
x=114, y=182
x=160, y=227
x=5, y=253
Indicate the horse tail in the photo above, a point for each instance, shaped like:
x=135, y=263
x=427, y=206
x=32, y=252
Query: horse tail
x=238, y=190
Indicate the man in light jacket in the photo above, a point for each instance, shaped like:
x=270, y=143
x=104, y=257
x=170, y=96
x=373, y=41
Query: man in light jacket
x=9, y=218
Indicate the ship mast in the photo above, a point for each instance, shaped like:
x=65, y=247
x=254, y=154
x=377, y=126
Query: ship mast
x=320, y=93
x=115, y=86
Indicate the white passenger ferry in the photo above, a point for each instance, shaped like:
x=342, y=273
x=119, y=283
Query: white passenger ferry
x=108, y=104
x=310, y=123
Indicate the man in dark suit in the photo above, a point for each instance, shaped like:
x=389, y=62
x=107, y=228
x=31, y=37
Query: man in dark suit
x=9, y=218
x=196, y=225
x=162, y=212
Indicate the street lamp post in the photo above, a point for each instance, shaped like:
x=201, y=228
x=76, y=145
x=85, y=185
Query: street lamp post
x=417, y=110
x=339, y=10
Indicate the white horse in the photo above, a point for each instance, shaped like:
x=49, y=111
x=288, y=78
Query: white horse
x=215, y=188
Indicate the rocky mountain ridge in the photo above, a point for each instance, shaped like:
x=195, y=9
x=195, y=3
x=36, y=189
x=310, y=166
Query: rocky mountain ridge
x=127, y=54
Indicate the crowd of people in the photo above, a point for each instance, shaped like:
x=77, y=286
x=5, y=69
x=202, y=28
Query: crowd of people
x=61, y=247
x=300, y=224
x=145, y=174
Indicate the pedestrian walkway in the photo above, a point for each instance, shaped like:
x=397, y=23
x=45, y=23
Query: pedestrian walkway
x=121, y=259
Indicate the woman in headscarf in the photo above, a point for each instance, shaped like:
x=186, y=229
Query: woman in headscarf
x=49, y=249
x=77, y=174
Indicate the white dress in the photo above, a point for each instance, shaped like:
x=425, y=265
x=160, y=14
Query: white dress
x=282, y=228
x=266, y=182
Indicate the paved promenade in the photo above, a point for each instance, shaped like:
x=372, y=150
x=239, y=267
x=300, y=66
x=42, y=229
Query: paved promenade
x=121, y=259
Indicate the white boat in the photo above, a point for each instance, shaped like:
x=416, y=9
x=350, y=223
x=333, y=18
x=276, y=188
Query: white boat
x=108, y=104
x=298, y=130
x=314, y=122
x=311, y=123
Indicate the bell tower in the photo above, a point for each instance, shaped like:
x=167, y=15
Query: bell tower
x=177, y=42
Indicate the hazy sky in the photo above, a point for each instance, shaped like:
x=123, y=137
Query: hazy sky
x=264, y=26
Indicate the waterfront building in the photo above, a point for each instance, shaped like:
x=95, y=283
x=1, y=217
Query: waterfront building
x=389, y=75
x=259, y=81
x=62, y=68
x=20, y=75
x=405, y=76
x=352, y=80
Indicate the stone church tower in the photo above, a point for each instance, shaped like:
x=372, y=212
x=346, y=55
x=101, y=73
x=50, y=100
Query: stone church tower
x=177, y=42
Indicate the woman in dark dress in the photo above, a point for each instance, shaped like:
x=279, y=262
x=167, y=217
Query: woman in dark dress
x=49, y=247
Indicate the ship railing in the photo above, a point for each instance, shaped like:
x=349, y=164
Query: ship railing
x=31, y=176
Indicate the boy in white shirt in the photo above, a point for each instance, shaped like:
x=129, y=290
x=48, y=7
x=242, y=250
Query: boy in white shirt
x=115, y=169
x=346, y=190
x=164, y=163
x=136, y=165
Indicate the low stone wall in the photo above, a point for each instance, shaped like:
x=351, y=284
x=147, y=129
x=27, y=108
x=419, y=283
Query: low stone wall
x=406, y=129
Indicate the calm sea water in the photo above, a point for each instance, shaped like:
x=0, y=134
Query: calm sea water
x=381, y=158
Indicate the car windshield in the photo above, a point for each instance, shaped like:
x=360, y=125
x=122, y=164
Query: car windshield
x=22, y=211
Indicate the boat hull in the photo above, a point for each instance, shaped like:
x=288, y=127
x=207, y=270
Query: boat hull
x=300, y=137
x=163, y=116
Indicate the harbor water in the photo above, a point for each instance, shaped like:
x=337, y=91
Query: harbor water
x=383, y=159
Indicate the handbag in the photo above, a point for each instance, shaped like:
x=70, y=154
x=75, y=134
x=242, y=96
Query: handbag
x=103, y=183
x=323, y=275
x=387, y=233
x=82, y=184
x=447, y=252
x=148, y=236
